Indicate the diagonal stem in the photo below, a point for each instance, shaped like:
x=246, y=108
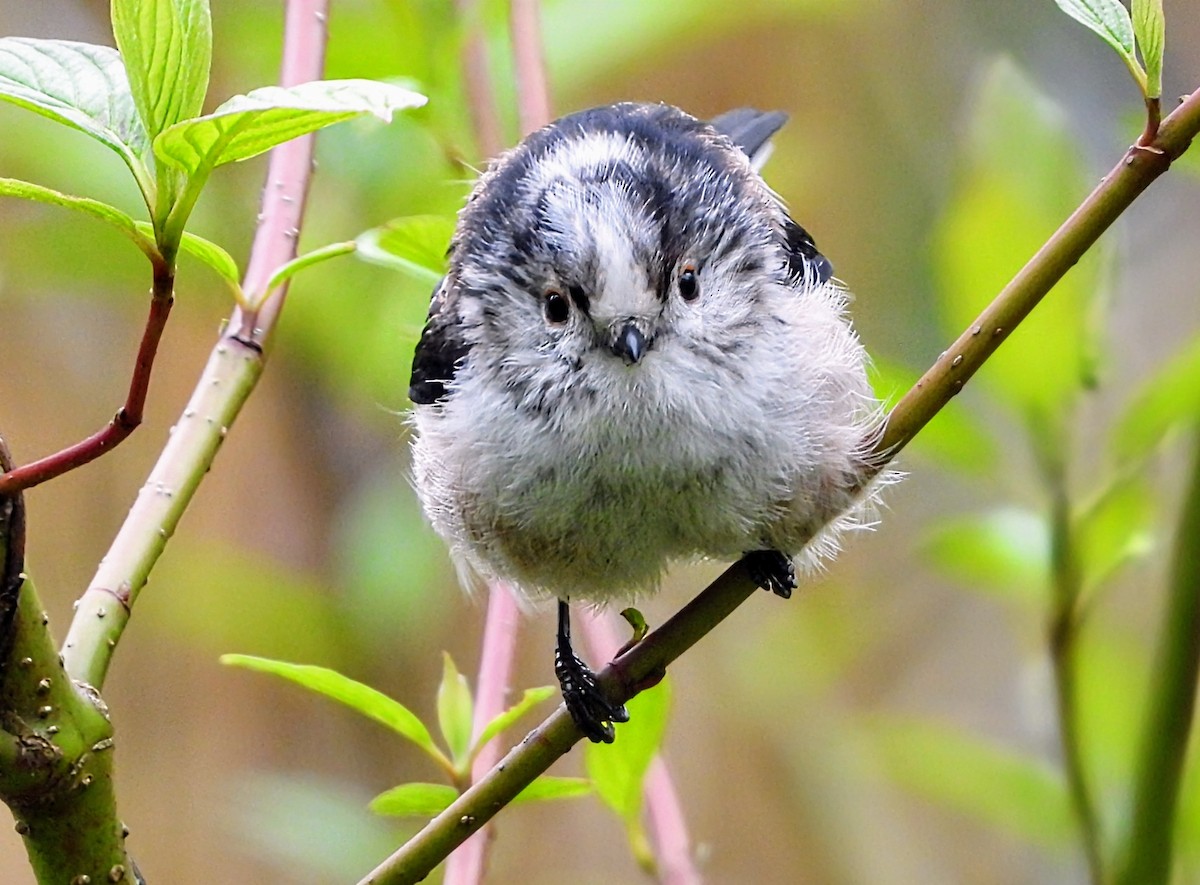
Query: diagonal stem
x=233, y=369
x=128, y=417
x=554, y=737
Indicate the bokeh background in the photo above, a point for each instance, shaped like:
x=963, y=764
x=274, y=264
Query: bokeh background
x=893, y=723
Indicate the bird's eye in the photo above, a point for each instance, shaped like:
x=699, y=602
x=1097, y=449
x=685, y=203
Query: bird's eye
x=558, y=309
x=689, y=286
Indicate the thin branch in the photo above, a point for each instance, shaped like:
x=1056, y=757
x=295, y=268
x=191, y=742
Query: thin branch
x=1137, y=169
x=1064, y=631
x=233, y=369
x=650, y=658
x=668, y=829
x=466, y=866
x=128, y=417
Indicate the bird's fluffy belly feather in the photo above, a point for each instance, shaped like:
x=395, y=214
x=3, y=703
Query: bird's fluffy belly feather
x=635, y=465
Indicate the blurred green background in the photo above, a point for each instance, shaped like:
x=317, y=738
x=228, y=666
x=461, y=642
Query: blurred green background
x=895, y=722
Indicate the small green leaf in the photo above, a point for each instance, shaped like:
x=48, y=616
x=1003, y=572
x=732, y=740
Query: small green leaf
x=414, y=800
x=1109, y=19
x=531, y=698
x=1170, y=398
x=167, y=49
x=618, y=770
x=416, y=244
x=289, y=269
x=204, y=250
x=1016, y=793
x=1150, y=32
x=547, y=786
x=363, y=698
x=637, y=621
x=455, y=710
x=1115, y=529
x=247, y=125
x=1006, y=551
x=11, y=187
x=81, y=86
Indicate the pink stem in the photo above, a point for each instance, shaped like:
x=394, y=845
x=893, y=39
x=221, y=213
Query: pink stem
x=668, y=829
x=466, y=865
x=305, y=34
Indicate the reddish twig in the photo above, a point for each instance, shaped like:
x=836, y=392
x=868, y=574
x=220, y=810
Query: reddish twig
x=127, y=418
x=233, y=370
x=466, y=865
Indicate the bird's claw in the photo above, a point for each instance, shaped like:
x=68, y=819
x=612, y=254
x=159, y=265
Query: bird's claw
x=772, y=570
x=592, y=712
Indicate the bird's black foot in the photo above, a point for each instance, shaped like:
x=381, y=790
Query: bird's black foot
x=772, y=570
x=593, y=713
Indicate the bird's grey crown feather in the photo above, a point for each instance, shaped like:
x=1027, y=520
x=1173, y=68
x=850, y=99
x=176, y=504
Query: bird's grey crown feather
x=665, y=153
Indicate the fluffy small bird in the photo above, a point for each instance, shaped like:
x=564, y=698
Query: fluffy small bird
x=636, y=356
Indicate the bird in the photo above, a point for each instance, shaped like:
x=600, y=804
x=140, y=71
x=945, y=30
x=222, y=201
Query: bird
x=636, y=356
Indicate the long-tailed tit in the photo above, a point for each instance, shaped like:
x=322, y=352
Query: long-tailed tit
x=636, y=356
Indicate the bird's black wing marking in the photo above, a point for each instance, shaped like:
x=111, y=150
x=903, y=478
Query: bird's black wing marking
x=805, y=263
x=440, y=350
x=749, y=128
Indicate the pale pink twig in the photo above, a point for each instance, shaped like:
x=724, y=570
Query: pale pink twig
x=664, y=814
x=466, y=865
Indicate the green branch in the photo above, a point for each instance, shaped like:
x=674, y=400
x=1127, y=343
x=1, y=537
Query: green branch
x=1172, y=700
x=648, y=659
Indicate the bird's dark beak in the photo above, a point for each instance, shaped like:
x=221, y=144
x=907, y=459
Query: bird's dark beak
x=630, y=344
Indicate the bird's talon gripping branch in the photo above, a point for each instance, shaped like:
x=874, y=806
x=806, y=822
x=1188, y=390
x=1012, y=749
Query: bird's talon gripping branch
x=591, y=711
x=772, y=570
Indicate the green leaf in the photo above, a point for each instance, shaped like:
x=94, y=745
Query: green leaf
x=289, y=269
x=1171, y=397
x=353, y=694
x=1001, y=787
x=455, y=710
x=414, y=800
x=1109, y=19
x=545, y=787
x=206, y=251
x=167, y=49
x=1150, y=32
x=1006, y=552
x=531, y=698
x=247, y=125
x=618, y=770
x=1023, y=177
x=416, y=244
x=81, y=86
x=1115, y=529
x=11, y=187
x=636, y=620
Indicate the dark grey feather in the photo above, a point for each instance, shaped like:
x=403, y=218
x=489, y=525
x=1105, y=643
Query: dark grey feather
x=749, y=128
x=440, y=350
